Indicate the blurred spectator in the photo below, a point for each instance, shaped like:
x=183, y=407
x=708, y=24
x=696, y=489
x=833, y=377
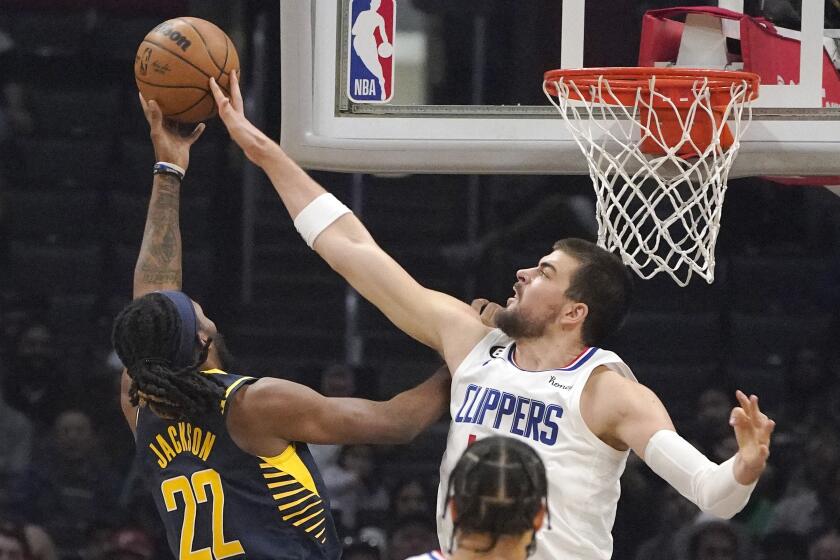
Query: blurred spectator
x=354, y=484
x=827, y=547
x=35, y=380
x=129, y=544
x=411, y=536
x=712, y=425
x=13, y=543
x=15, y=445
x=361, y=460
x=41, y=545
x=814, y=511
x=73, y=488
x=339, y=380
x=411, y=496
x=360, y=551
x=783, y=12
x=820, y=454
x=15, y=118
x=635, y=505
x=713, y=539
x=674, y=512
x=784, y=545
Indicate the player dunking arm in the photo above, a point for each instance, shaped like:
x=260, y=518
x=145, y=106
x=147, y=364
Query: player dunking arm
x=222, y=454
x=539, y=376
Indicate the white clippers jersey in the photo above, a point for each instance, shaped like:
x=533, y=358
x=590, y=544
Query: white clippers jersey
x=491, y=395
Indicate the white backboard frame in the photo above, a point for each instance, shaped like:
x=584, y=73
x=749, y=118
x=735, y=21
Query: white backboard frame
x=783, y=139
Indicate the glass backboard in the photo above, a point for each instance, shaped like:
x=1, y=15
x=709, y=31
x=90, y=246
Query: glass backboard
x=456, y=87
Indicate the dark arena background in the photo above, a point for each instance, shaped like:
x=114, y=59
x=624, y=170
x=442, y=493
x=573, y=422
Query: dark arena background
x=75, y=177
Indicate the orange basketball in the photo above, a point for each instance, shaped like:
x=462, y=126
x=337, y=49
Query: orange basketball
x=175, y=62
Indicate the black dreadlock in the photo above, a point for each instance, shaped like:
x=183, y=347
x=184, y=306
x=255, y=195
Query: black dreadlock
x=146, y=334
x=498, y=486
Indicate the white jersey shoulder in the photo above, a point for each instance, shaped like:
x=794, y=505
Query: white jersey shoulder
x=492, y=395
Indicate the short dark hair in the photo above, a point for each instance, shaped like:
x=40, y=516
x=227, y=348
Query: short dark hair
x=603, y=283
x=498, y=486
x=146, y=335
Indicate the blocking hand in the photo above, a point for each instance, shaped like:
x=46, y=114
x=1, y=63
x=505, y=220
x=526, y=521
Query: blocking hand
x=232, y=112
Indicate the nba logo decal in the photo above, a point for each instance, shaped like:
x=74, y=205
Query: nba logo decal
x=371, y=64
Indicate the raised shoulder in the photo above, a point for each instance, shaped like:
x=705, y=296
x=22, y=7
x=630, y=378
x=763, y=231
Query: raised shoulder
x=620, y=411
x=248, y=414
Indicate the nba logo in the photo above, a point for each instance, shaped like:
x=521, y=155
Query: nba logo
x=371, y=65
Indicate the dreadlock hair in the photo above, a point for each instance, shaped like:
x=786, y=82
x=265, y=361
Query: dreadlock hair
x=498, y=487
x=146, y=335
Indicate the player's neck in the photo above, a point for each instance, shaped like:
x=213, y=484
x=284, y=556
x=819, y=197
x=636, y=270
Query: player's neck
x=550, y=351
x=472, y=547
x=212, y=361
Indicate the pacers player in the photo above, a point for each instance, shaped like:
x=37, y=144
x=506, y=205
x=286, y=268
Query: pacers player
x=540, y=376
x=222, y=453
x=497, y=499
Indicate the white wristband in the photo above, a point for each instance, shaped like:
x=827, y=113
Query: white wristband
x=318, y=215
x=711, y=487
x=170, y=168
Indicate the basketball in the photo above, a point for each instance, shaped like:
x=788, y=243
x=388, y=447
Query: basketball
x=175, y=61
x=386, y=50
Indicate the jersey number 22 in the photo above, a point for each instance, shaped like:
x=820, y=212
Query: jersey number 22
x=194, y=491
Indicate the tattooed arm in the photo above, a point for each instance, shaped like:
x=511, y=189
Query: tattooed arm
x=159, y=263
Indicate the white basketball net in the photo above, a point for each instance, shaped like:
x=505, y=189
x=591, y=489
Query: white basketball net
x=661, y=212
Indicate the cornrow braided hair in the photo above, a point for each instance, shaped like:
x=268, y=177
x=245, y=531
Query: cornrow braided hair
x=498, y=486
x=146, y=335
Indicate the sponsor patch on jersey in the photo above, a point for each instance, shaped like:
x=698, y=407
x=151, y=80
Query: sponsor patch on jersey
x=497, y=351
x=370, y=76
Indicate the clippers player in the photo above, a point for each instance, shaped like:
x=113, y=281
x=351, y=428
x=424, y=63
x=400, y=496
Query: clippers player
x=223, y=454
x=496, y=497
x=540, y=376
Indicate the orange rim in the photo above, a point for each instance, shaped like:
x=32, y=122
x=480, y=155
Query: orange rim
x=626, y=82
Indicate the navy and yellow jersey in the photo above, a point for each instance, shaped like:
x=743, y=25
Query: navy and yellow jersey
x=218, y=501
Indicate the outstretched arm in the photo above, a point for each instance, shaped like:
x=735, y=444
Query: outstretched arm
x=159, y=262
x=433, y=318
x=272, y=412
x=631, y=415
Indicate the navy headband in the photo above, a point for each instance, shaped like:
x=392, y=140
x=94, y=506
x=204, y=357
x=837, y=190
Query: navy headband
x=185, y=355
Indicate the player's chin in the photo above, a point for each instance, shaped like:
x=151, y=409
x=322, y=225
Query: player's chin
x=510, y=302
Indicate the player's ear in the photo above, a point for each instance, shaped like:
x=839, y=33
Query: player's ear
x=539, y=518
x=575, y=312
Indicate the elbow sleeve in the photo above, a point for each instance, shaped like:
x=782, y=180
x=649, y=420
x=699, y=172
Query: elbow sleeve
x=710, y=486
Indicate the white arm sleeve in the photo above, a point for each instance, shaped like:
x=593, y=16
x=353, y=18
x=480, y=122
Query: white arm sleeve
x=711, y=487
